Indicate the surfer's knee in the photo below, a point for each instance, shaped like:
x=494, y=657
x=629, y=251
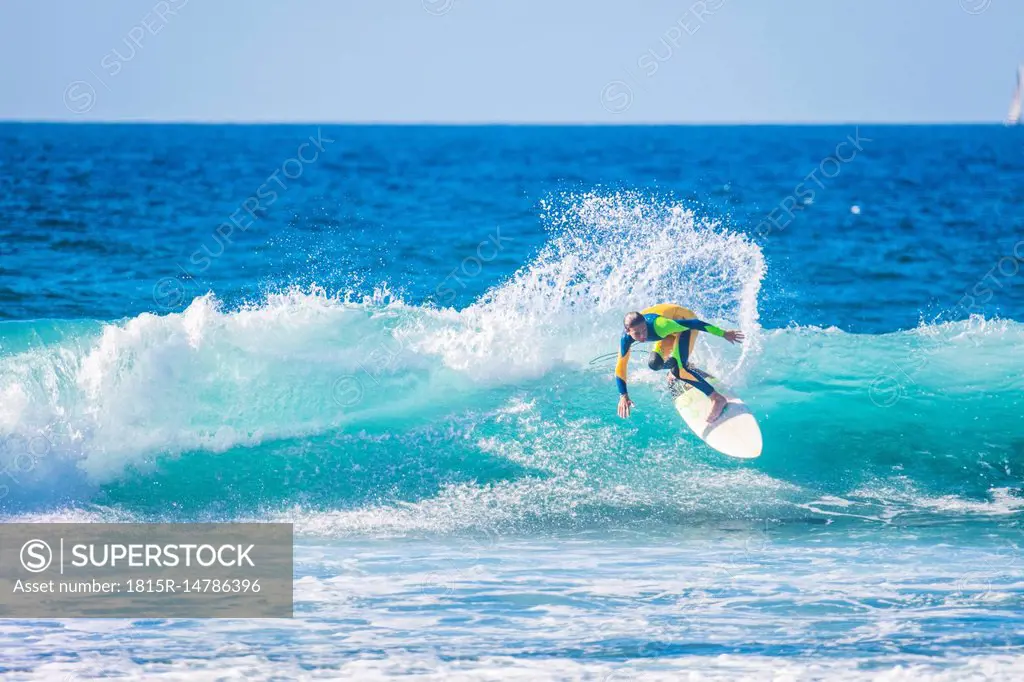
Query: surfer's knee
x=672, y=366
x=656, y=362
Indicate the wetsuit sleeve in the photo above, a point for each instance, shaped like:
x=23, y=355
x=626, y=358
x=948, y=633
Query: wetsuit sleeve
x=663, y=326
x=623, y=362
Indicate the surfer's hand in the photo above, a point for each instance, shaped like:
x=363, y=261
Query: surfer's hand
x=734, y=336
x=624, y=404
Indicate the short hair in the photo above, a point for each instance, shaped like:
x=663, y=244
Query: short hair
x=633, y=320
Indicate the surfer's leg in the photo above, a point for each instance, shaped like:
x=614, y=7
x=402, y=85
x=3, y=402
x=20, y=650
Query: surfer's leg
x=679, y=365
x=693, y=379
x=698, y=379
x=661, y=352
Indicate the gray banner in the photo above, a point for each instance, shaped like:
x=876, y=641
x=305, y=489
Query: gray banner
x=161, y=570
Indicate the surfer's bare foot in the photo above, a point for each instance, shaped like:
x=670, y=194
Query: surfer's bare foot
x=718, y=403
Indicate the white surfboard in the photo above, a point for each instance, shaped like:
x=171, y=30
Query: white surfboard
x=735, y=433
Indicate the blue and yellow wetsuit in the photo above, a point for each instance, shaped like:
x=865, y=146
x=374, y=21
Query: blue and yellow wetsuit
x=675, y=330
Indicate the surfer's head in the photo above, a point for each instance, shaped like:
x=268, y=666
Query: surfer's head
x=636, y=326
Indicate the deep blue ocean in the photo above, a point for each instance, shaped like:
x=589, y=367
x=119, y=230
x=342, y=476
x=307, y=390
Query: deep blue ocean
x=398, y=338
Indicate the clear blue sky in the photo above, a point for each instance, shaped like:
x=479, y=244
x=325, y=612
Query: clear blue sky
x=594, y=61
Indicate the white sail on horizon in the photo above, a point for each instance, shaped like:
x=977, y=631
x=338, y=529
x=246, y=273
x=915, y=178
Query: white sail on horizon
x=1015, y=104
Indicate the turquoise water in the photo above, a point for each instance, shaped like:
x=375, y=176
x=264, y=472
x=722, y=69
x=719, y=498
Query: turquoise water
x=405, y=354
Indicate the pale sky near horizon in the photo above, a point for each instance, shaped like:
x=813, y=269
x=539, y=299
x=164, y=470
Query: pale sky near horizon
x=517, y=61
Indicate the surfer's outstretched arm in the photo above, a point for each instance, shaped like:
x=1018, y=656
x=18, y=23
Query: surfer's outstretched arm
x=620, y=376
x=665, y=326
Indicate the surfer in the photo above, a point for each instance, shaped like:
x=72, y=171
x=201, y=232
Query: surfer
x=674, y=329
